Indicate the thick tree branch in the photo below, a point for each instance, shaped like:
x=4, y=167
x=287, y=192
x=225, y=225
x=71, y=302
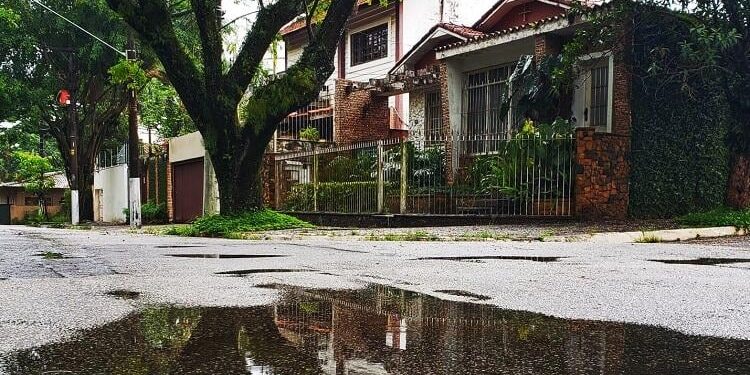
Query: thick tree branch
x=268, y=23
x=152, y=20
x=207, y=13
x=303, y=81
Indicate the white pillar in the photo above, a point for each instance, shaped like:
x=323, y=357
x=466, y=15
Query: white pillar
x=134, y=202
x=74, y=211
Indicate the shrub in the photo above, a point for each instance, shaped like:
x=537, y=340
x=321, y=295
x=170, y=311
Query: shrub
x=719, y=217
x=228, y=226
x=153, y=213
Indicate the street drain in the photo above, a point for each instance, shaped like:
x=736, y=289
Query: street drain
x=124, y=294
x=702, y=261
x=263, y=270
x=224, y=256
x=495, y=257
x=463, y=293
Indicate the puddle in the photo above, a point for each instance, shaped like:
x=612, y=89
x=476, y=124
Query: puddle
x=495, y=257
x=702, y=261
x=377, y=330
x=51, y=255
x=263, y=270
x=124, y=294
x=463, y=293
x=223, y=256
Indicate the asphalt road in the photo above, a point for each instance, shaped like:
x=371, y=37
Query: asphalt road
x=45, y=300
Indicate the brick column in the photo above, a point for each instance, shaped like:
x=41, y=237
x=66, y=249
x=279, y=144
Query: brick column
x=602, y=175
x=445, y=120
x=546, y=44
x=359, y=115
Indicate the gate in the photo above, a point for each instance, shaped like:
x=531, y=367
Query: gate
x=187, y=183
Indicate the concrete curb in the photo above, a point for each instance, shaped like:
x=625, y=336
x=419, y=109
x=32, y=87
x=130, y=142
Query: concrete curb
x=667, y=235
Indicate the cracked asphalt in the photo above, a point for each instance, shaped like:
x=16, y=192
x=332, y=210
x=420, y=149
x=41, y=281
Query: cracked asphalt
x=47, y=300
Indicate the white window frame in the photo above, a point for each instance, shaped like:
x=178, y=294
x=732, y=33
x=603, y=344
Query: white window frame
x=582, y=92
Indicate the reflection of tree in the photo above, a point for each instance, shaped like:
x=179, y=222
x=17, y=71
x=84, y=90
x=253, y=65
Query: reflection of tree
x=168, y=328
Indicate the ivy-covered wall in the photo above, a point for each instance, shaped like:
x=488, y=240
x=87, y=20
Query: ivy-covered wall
x=679, y=157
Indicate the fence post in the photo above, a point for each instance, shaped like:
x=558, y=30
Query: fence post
x=404, y=175
x=315, y=179
x=381, y=180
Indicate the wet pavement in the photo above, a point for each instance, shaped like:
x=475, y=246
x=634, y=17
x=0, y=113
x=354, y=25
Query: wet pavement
x=375, y=330
x=120, y=303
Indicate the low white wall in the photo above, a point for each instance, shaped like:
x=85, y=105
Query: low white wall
x=113, y=183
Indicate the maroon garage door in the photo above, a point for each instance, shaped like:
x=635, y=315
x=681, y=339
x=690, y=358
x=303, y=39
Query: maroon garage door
x=187, y=190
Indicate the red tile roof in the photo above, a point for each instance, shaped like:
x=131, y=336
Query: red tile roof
x=300, y=22
x=464, y=31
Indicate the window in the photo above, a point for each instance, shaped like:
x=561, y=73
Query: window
x=432, y=117
x=369, y=45
x=483, y=99
x=592, y=103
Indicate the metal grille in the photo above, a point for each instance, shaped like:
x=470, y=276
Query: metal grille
x=599, y=96
x=318, y=115
x=524, y=175
x=433, y=117
x=483, y=95
x=369, y=45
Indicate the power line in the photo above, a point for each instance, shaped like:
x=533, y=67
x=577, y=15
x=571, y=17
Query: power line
x=81, y=28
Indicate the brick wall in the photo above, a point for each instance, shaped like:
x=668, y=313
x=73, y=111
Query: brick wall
x=359, y=115
x=546, y=44
x=602, y=175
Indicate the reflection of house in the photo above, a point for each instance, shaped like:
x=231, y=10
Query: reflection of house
x=16, y=203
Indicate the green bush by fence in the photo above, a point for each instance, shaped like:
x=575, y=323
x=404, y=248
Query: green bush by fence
x=679, y=159
x=358, y=196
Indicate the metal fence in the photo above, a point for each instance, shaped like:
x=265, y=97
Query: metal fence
x=317, y=115
x=523, y=175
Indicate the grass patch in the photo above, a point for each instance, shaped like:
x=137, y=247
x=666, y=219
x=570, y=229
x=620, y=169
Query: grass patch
x=408, y=236
x=719, y=217
x=51, y=255
x=236, y=227
x=649, y=238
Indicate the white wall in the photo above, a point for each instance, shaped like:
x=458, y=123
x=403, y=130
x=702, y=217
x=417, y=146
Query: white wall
x=113, y=182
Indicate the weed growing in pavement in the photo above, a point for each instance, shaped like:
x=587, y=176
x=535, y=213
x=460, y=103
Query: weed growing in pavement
x=649, y=238
x=408, y=236
x=51, y=255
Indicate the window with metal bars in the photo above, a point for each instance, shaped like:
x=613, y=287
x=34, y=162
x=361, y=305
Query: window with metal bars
x=599, y=102
x=432, y=117
x=369, y=45
x=483, y=99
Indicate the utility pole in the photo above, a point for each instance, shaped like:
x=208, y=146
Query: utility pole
x=134, y=180
x=75, y=216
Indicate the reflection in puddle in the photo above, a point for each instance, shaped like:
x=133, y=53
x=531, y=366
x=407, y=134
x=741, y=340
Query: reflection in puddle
x=377, y=330
x=463, y=293
x=703, y=261
x=495, y=257
x=263, y=270
x=224, y=256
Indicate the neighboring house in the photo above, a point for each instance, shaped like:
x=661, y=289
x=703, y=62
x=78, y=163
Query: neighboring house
x=16, y=203
x=192, y=190
x=374, y=41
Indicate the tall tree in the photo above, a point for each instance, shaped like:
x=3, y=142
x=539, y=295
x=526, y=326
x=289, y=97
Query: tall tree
x=212, y=92
x=42, y=54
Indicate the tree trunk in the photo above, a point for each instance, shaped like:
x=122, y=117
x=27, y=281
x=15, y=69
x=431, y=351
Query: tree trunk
x=240, y=187
x=738, y=192
x=85, y=192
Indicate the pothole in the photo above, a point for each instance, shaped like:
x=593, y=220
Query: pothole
x=702, y=261
x=51, y=255
x=479, y=259
x=263, y=270
x=463, y=293
x=225, y=256
x=124, y=294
